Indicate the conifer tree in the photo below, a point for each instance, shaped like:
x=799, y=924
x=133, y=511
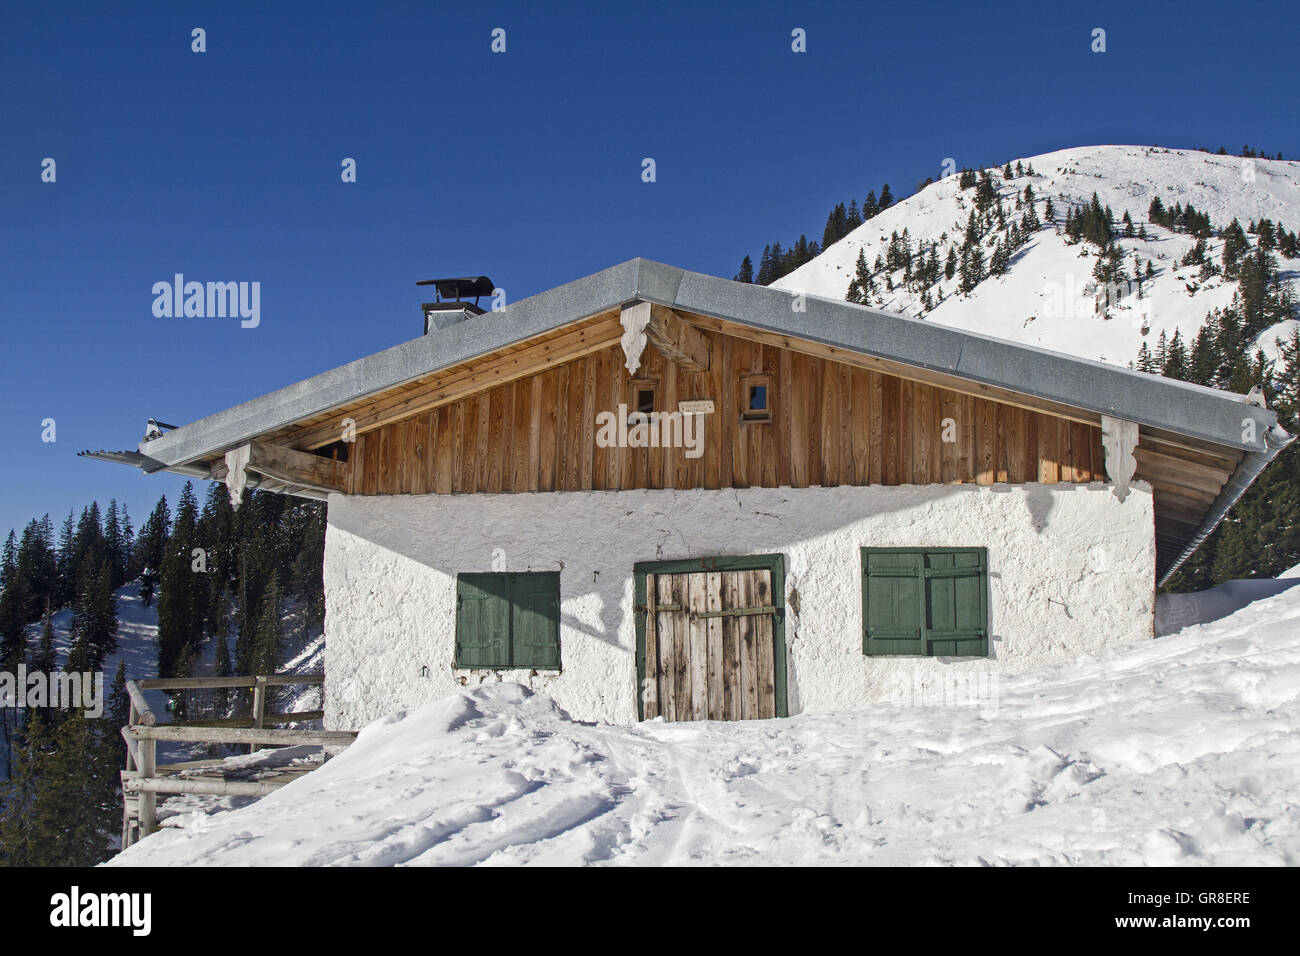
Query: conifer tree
x=1156, y=211
x=17, y=840
x=75, y=808
x=777, y=262
x=113, y=544
x=46, y=659
x=152, y=539
x=94, y=621
x=1176, y=365
x=1109, y=268
x=1235, y=245
x=861, y=280
x=179, y=614
x=854, y=217
x=998, y=261
x=985, y=192
x=268, y=647
x=9, y=561
x=870, y=206
x=63, y=564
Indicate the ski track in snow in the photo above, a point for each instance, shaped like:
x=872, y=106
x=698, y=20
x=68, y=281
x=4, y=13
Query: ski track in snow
x=1182, y=750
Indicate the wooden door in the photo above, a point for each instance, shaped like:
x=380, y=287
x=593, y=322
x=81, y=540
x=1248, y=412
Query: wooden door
x=710, y=648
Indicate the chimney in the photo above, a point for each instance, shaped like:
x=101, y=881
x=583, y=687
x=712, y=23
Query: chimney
x=452, y=305
x=440, y=315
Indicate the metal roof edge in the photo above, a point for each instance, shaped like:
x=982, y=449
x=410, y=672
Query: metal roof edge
x=1214, y=416
x=398, y=364
x=1238, y=484
x=1196, y=411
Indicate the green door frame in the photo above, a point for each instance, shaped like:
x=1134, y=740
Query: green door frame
x=775, y=563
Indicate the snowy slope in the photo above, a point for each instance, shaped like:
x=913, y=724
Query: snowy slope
x=1041, y=300
x=1182, y=750
x=137, y=645
x=137, y=641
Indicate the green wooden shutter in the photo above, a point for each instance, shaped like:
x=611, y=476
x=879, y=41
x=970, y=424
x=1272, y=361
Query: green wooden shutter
x=482, y=620
x=535, y=620
x=931, y=602
x=956, y=603
x=892, y=622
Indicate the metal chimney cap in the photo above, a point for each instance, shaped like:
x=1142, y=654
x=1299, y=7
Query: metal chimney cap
x=461, y=288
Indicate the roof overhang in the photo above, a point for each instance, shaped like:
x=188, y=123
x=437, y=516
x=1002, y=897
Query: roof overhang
x=1159, y=405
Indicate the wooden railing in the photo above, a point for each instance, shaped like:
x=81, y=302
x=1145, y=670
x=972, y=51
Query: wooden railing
x=143, y=779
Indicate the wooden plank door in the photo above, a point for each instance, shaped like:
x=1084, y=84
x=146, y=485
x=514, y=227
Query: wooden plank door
x=710, y=650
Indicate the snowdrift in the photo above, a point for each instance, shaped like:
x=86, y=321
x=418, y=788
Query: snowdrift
x=1183, y=750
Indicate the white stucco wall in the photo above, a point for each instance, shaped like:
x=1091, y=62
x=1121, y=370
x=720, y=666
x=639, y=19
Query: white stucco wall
x=1071, y=571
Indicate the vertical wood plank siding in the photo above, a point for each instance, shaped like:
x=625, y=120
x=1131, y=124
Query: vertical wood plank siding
x=831, y=424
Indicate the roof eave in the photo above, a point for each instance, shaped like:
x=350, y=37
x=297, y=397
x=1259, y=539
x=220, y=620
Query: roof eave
x=1252, y=464
x=1220, y=418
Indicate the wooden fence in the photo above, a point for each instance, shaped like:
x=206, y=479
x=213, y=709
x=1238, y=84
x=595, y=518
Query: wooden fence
x=143, y=779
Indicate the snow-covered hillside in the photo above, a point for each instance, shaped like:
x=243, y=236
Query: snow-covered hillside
x=137, y=645
x=1180, y=750
x=137, y=641
x=1043, y=299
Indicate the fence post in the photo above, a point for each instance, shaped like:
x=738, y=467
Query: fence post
x=131, y=765
x=148, y=799
x=259, y=707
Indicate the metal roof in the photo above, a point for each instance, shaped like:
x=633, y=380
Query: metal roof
x=1181, y=407
x=1218, y=417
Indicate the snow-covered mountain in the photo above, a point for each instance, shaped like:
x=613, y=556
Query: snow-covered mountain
x=1047, y=296
x=1181, y=750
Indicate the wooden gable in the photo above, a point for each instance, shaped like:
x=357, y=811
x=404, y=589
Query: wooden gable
x=524, y=418
x=831, y=423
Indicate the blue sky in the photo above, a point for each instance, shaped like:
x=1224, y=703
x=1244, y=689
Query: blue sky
x=524, y=166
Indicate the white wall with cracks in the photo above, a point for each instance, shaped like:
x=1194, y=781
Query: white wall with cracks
x=1071, y=572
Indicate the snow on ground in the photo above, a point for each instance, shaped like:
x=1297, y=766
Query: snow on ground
x=1182, y=750
x=1044, y=299
x=1177, y=611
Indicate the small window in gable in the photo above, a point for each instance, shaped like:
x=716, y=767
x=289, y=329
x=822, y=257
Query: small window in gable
x=756, y=398
x=641, y=399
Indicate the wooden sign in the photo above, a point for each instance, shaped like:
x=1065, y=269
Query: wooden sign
x=703, y=406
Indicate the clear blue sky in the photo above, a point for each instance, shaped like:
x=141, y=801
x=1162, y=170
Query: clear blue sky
x=524, y=166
